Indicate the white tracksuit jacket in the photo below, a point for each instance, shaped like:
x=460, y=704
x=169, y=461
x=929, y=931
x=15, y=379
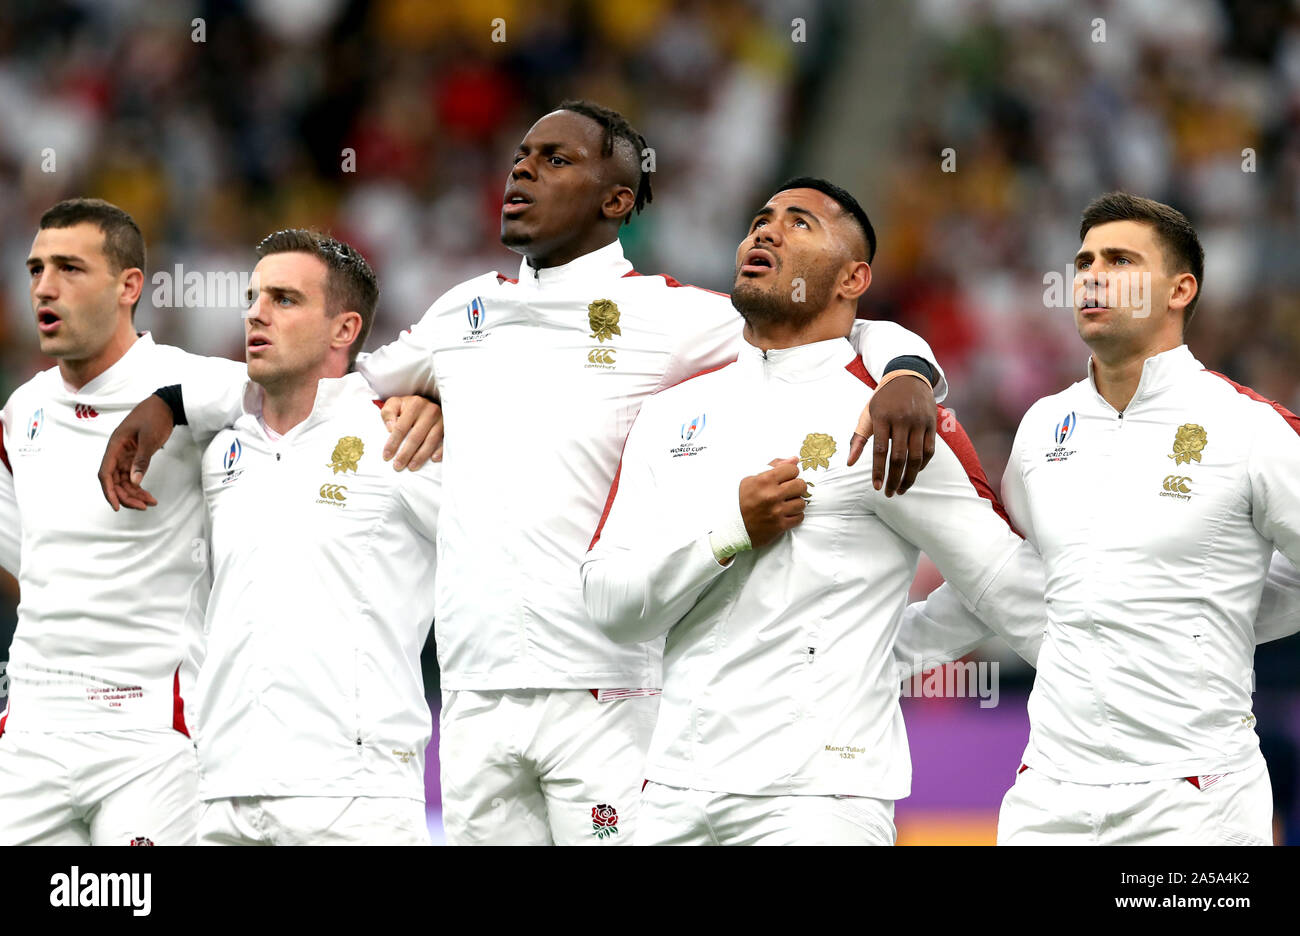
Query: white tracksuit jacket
x=1157, y=528
x=540, y=380
x=778, y=668
x=323, y=557
x=111, y=616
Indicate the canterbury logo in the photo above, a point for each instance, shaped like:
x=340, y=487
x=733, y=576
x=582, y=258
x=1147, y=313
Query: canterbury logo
x=333, y=492
x=1177, y=484
x=85, y=412
x=601, y=356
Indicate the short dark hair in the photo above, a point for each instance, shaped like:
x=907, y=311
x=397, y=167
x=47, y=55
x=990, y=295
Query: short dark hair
x=350, y=284
x=123, y=242
x=845, y=200
x=616, y=127
x=1183, y=251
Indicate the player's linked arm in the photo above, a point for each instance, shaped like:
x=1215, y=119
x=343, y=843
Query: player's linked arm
x=402, y=374
x=1273, y=465
x=901, y=413
x=415, y=424
x=212, y=400
x=942, y=628
x=1279, y=608
x=994, y=580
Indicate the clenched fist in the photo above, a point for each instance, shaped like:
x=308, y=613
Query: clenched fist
x=773, y=502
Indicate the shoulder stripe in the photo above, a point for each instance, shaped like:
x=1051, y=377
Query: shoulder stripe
x=707, y=370
x=1291, y=418
x=952, y=433
x=502, y=278
x=669, y=281
x=4, y=456
x=859, y=370
x=609, y=501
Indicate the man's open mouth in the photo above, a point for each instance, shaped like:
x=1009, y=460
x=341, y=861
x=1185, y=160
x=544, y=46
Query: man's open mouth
x=758, y=261
x=516, y=202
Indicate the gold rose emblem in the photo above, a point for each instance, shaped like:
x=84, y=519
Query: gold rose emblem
x=603, y=315
x=346, y=454
x=1188, y=444
x=817, y=451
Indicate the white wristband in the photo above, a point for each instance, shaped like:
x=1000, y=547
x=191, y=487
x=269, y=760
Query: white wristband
x=729, y=538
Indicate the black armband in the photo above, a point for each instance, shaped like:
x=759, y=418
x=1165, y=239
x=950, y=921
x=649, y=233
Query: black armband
x=171, y=395
x=910, y=362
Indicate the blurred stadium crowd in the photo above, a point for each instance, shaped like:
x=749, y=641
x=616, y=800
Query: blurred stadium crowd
x=213, y=144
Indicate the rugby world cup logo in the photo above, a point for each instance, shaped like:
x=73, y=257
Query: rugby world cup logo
x=231, y=458
x=1065, y=428
x=476, y=314
x=34, y=424
x=690, y=435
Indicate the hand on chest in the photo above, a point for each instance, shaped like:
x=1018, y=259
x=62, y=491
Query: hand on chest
x=702, y=454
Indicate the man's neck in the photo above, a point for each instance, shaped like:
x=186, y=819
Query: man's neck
x=77, y=374
x=285, y=405
x=774, y=336
x=570, y=252
x=1117, y=373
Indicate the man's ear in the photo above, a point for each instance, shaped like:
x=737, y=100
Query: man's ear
x=1182, y=291
x=618, y=203
x=347, y=326
x=131, y=283
x=855, y=280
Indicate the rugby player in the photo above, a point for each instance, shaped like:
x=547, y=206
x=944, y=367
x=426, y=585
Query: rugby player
x=781, y=591
x=315, y=722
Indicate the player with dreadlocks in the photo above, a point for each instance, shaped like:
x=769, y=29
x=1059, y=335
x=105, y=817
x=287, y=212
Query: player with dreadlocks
x=545, y=721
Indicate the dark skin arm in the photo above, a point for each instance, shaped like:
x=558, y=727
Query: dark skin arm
x=130, y=448
x=903, y=417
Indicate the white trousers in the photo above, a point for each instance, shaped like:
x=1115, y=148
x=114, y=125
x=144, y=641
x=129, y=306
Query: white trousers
x=1224, y=809
x=314, y=820
x=674, y=816
x=542, y=766
x=137, y=787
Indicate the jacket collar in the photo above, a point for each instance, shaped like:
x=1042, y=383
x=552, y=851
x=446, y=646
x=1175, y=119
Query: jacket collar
x=606, y=263
x=798, y=364
x=331, y=392
x=118, y=373
x=1158, y=372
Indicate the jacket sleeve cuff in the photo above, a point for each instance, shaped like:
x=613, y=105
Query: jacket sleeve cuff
x=171, y=395
x=912, y=362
